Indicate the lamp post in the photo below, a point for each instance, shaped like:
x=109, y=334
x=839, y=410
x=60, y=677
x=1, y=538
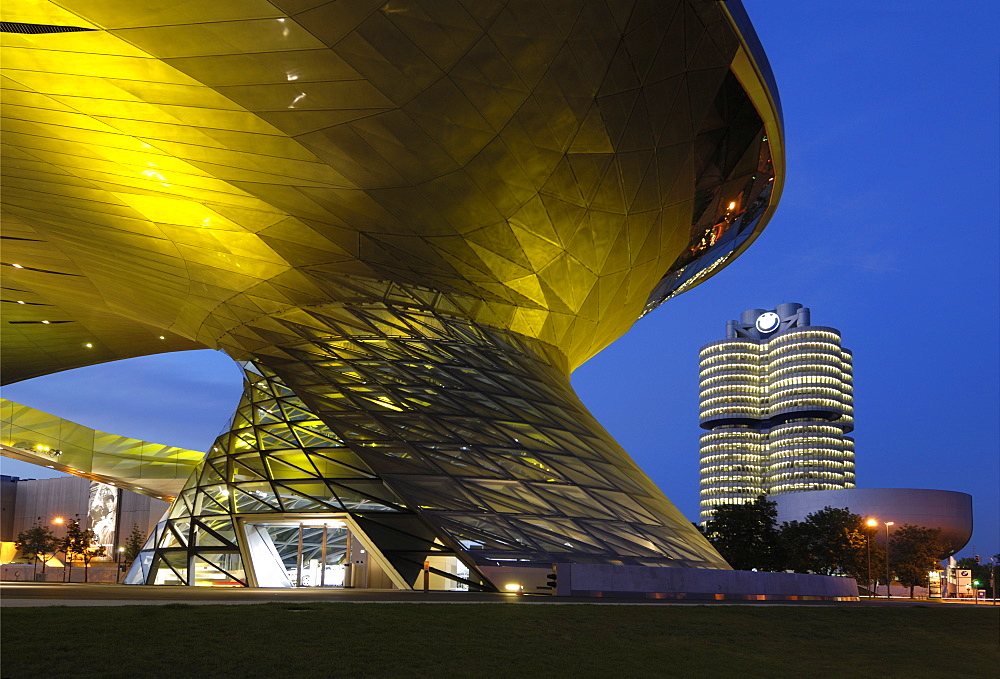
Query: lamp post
x=59, y=521
x=993, y=578
x=888, y=587
x=871, y=523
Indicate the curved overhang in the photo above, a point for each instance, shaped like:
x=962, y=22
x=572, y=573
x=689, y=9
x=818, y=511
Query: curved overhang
x=152, y=469
x=161, y=184
x=752, y=69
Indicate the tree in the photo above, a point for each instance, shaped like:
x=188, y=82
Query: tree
x=913, y=552
x=37, y=542
x=72, y=544
x=88, y=550
x=829, y=541
x=133, y=545
x=746, y=534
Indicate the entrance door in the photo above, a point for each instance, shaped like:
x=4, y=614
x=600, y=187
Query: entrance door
x=308, y=551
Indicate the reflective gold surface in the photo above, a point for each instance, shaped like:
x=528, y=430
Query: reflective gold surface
x=194, y=170
x=148, y=468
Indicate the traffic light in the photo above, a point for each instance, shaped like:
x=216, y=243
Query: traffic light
x=978, y=560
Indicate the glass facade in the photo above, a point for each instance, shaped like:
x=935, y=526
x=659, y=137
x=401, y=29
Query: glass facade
x=429, y=437
x=777, y=404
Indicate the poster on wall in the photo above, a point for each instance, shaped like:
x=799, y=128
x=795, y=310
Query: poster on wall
x=102, y=514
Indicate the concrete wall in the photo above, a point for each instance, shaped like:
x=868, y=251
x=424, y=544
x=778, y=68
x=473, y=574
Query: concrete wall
x=98, y=572
x=698, y=583
x=42, y=500
x=141, y=510
x=8, y=498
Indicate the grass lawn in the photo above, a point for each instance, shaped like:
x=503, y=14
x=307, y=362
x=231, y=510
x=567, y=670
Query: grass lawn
x=498, y=640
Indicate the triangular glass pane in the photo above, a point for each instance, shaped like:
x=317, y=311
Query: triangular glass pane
x=295, y=413
x=205, y=539
x=281, y=470
x=178, y=561
x=310, y=439
x=267, y=412
x=210, y=476
x=242, y=472
x=572, y=501
x=293, y=501
x=182, y=527
x=485, y=531
x=507, y=496
x=162, y=574
x=222, y=528
x=282, y=431
x=576, y=470
x=627, y=541
x=625, y=506
x=140, y=569
x=169, y=539
x=259, y=501
x=373, y=489
x=206, y=504
x=181, y=506
x=342, y=457
x=218, y=570
x=552, y=541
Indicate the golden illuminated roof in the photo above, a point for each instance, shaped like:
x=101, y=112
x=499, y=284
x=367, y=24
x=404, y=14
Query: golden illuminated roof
x=180, y=176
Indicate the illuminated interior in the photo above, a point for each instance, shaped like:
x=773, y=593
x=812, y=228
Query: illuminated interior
x=777, y=409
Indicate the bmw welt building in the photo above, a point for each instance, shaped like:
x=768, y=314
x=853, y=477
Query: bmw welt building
x=409, y=224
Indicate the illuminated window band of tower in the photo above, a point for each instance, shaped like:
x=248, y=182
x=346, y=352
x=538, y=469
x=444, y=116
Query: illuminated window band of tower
x=777, y=401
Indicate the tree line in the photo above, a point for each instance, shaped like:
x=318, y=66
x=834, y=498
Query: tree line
x=830, y=541
x=41, y=545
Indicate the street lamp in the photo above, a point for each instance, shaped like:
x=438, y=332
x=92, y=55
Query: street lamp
x=871, y=523
x=118, y=563
x=888, y=588
x=993, y=577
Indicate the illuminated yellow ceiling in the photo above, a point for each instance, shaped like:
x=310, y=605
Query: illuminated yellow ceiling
x=182, y=173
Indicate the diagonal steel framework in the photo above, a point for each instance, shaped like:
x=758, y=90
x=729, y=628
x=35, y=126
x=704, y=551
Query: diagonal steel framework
x=436, y=435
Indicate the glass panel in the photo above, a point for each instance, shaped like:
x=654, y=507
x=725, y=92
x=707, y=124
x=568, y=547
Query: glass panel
x=139, y=571
x=221, y=527
x=171, y=569
x=255, y=497
x=218, y=570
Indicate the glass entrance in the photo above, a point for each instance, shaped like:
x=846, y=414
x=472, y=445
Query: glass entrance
x=313, y=552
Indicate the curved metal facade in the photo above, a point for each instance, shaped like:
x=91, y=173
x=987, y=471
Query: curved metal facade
x=947, y=510
x=378, y=189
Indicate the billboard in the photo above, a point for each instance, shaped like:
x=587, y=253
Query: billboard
x=102, y=515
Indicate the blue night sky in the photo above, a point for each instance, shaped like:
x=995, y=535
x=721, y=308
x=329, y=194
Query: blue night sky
x=887, y=230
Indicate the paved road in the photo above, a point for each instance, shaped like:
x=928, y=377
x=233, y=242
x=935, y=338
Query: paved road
x=14, y=594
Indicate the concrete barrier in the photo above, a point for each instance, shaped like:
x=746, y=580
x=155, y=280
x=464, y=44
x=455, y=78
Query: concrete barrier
x=699, y=583
x=100, y=572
